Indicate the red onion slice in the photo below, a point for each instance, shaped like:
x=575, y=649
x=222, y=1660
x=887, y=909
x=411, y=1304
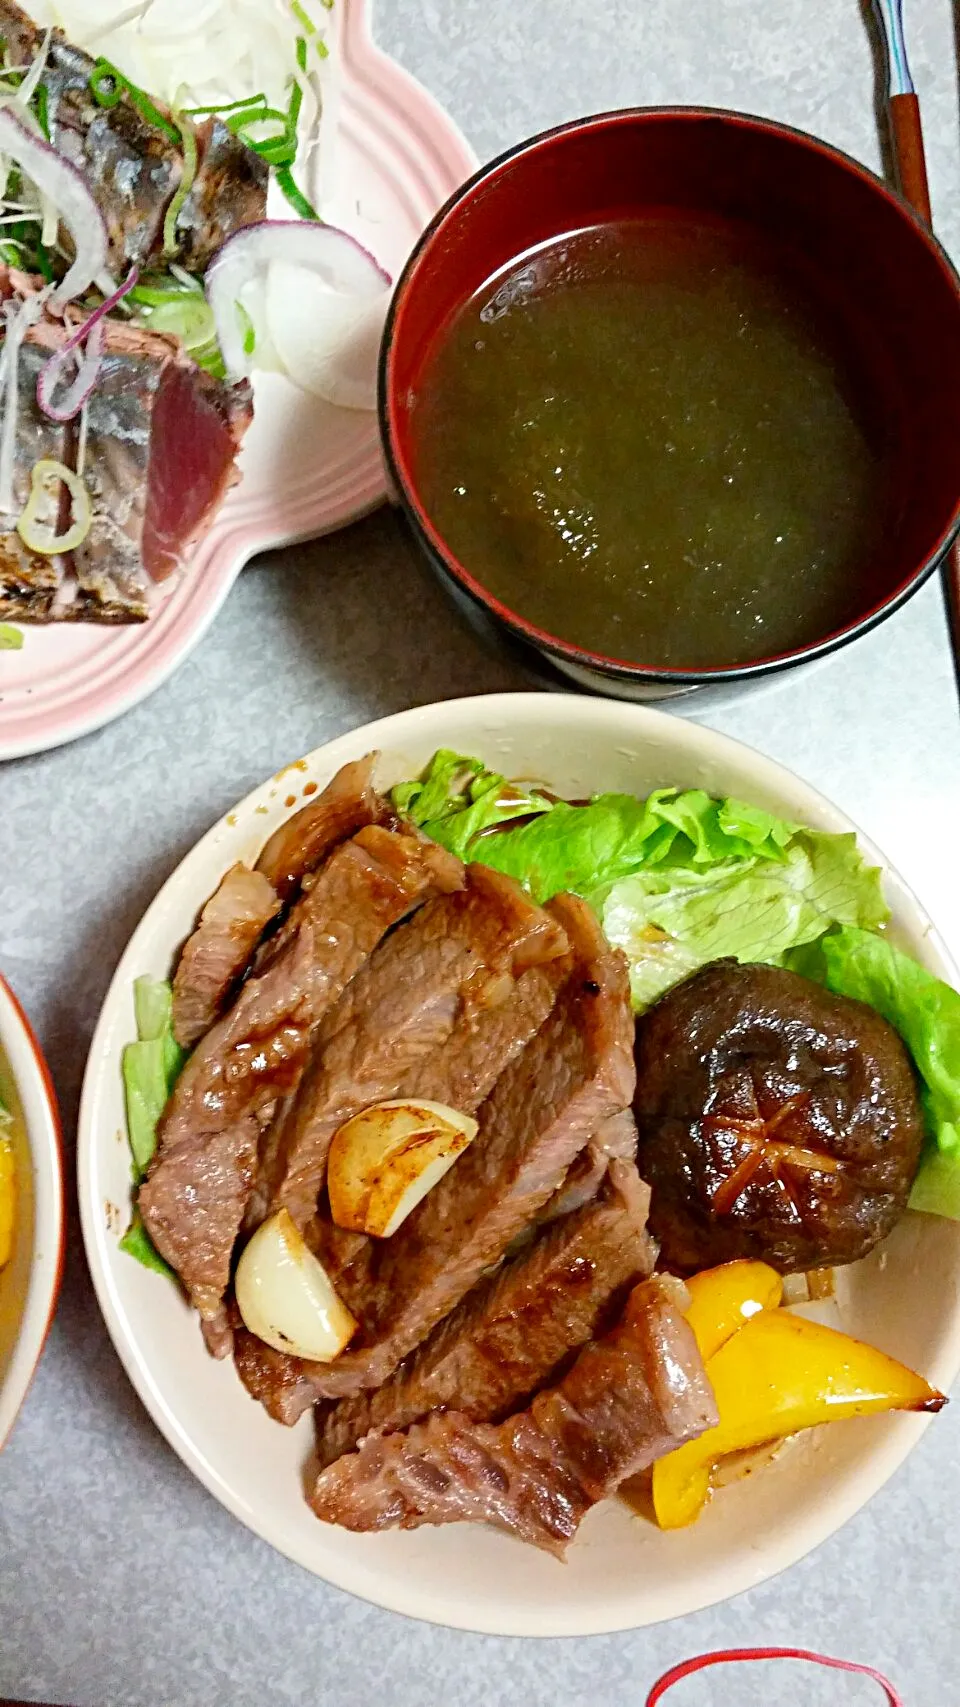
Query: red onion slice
x=57, y=179
x=342, y=263
x=70, y=401
x=91, y=335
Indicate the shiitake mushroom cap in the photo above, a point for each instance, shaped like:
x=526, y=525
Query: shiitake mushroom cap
x=776, y=1120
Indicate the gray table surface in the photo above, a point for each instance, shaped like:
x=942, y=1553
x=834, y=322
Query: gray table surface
x=121, y=1579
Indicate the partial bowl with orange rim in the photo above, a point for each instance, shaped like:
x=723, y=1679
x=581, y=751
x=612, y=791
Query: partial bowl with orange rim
x=671, y=398
x=31, y=1205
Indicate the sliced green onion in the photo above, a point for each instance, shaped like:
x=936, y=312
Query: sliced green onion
x=294, y=194
x=306, y=23
x=43, y=118
x=189, y=317
x=108, y=85
x=328, y=4
x=152, y=298
x=262, y=115
x=44, y=264
x=280, y=149
x=247, y=329
x=11, y=639
x=296, y=93
x=259, y=100
x=189, y=144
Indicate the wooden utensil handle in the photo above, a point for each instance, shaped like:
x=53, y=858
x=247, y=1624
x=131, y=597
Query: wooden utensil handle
x=908, y=153
x=911, y=169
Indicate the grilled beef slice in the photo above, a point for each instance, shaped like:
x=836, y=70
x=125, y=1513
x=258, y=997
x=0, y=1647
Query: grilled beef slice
x=218, y=950
x=200, y=1179
x=460, y=954
x=576, y=1072
x=461, y=1073
x=509, y=1334
x=617, y=1137
x=348, y=802
x=628, y=1399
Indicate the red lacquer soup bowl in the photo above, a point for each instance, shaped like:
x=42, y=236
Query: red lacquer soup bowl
x=891, y=290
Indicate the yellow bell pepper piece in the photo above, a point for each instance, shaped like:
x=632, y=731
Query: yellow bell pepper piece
x=8, y=1199
x=723, y=1299
x=778, y=1374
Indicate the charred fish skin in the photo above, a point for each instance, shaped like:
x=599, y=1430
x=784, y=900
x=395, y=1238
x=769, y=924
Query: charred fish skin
x=19, y=35
x=29, y=580
x=131, y=166
x=228, y=192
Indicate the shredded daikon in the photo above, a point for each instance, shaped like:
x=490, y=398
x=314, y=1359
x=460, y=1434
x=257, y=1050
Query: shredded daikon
x=216, y=50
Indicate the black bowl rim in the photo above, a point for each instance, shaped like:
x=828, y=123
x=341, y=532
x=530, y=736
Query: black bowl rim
x=551, y=644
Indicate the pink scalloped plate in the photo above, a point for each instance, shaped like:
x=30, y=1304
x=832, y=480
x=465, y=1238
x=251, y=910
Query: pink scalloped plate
x=308, y=468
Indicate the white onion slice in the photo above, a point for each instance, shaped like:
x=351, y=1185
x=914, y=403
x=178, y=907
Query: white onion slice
x=56, y=179
x=328, y=342
x=336, y=260
x=18, y=317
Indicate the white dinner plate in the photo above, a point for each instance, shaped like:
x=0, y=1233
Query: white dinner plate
x=621, y=1572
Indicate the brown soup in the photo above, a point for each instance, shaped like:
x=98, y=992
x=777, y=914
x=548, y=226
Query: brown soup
x=651, y=439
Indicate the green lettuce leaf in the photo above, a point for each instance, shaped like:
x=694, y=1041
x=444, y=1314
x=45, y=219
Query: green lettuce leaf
x=138, y=1244
x=150, y=1068
x=926, y=1012
x=145, y=1086
x=678, y=879
x=456, y=799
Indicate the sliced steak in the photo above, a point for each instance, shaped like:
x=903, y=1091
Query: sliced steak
x=617, y=1137
x=460, y=955
x=218, y=951
x=461, y=1073
x=229, y=191
x=509, y=1334
x=576, y=1072
x=348, y=802
x=193, y=1199
x=485, y=1042
x=628, y=1399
